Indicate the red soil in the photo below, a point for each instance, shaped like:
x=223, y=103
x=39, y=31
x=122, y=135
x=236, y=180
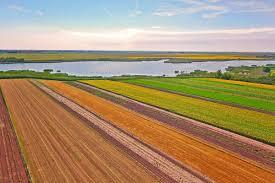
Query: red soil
x=12, y=168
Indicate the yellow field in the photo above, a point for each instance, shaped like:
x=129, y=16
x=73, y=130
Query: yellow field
x=201, y=57
x=257, y=85
x=41, y=57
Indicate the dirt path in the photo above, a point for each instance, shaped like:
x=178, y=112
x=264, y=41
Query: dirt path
x=169, y=168
x=218, y=165
x=58, y=147
x=12, y=167
x=248, y=148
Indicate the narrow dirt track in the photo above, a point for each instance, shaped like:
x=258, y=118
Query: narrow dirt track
x=12, y=167
x=248, y=148
x=58, y=147
x=218, y=165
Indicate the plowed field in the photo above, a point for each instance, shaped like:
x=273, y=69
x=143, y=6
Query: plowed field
x=218, y=165
x=11, y=164
x=58, y=147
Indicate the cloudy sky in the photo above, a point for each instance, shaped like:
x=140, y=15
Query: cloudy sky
x=171, y=25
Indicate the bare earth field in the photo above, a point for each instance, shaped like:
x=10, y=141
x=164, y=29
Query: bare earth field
x=58, y=147
x=217, y=164
x=12, y=167
x=257, y=151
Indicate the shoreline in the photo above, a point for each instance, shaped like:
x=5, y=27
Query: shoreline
x=143, y=60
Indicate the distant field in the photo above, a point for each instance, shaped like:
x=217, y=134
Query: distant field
x=125, y=56
x=246, y=122
x=258, y=96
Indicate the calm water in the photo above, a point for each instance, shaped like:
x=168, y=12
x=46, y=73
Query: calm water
x=107, y=68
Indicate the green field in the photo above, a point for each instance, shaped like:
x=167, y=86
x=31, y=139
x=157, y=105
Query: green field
x=41, y=75
x=250, y=123
x=124, y=56
x=248, y=96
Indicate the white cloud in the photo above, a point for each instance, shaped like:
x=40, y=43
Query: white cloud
x=136, y=12
x=22, y=9
x=213, y=14
x=18, y=8
x=214, y=8
x=209, y=8
x=108, y=12
x=39, y=12
x=248, y=39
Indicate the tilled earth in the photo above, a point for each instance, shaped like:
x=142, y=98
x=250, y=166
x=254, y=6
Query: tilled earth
x=12, y=167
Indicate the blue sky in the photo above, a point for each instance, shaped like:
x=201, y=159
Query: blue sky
x=192, y=25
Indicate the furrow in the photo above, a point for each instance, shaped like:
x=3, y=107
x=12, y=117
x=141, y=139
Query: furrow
x=174, y=171
x=248, y=148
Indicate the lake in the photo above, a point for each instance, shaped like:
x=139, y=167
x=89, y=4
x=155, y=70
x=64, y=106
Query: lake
x=108, y=68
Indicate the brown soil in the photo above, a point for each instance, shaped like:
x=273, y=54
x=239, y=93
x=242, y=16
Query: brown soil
x=218, y=165
x=220, y=137
x=12, y=167
x=164, y=164
x=58, y=147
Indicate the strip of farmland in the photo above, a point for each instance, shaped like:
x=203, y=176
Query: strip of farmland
x=59, y=147
x=251, y=149
x=252, y=124
x=249, y=97
x=176, y=172
x=12, y=167
x=241, y=83
x=218, y=165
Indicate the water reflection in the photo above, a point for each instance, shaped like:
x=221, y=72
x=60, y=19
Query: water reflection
x=107, y=68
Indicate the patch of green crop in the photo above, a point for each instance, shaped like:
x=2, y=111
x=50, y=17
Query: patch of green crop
x=47, y=74
x=257, y=98
x=250, y=123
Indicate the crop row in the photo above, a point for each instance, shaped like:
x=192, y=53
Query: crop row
x=246, y=96
x=248, y=148
x=249, y=123
x=241, y=83
x=12, y=168
x=163, y=164
x=59, y=147
x=217, y=165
